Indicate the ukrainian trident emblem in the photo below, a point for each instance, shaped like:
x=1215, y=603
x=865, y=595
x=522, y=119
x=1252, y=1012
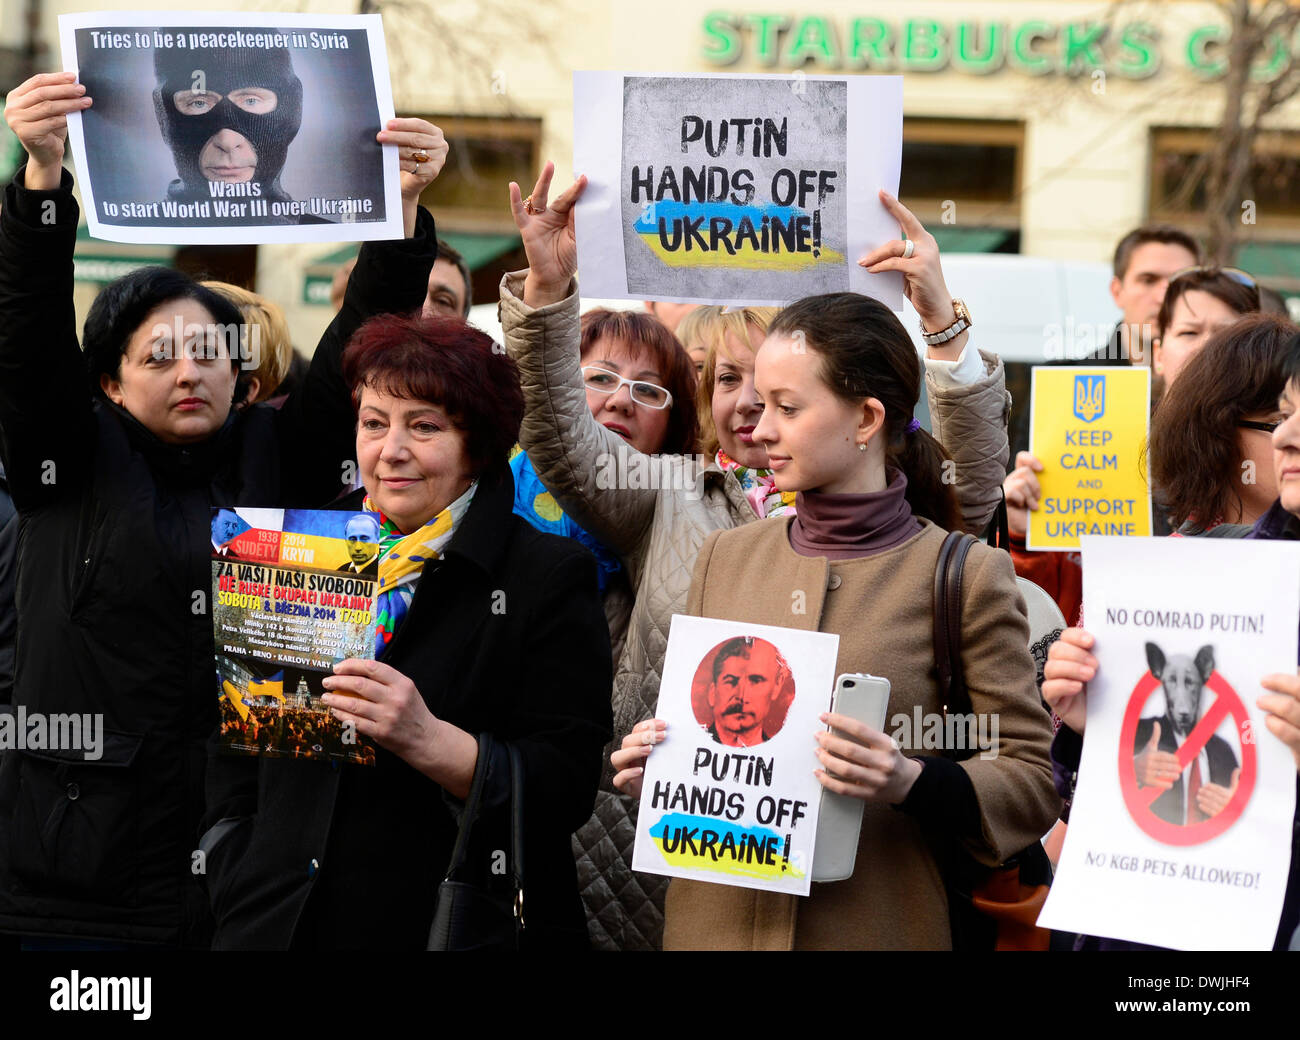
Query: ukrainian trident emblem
x=1089, y=397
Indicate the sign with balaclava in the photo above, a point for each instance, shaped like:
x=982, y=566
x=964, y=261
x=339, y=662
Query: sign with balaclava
x=228, y=117
x=233, y=128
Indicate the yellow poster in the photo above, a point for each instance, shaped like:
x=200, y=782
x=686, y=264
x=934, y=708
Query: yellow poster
x=1088, y=427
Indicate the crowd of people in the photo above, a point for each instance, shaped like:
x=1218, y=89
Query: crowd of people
x=525, y=597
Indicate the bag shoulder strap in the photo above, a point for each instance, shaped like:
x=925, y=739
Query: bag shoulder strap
x=517, y=828
x=473, y=801
x=947, y=622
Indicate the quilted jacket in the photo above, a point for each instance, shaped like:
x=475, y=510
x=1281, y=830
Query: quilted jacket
x=656, y=512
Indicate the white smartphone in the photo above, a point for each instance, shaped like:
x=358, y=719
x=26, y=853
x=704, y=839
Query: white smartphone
x=839, y=822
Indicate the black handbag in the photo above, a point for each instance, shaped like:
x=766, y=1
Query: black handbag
x=467, y=915
x=989, y=907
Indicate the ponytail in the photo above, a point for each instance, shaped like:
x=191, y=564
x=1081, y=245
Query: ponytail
x=866, y=352
x=925, y=463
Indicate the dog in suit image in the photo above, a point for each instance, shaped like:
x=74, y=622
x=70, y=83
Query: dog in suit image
x=1204, y=787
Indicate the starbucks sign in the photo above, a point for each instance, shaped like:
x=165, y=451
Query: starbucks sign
x=1033, y=47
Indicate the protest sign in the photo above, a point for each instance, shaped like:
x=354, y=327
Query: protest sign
x=735, y=189
x=293, y=594
x=1180, y=829
x=232, y=127
x=730, y=795
x=1088, y=426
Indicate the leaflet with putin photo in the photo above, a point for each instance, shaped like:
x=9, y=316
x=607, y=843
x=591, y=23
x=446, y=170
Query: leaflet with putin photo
x=232, y=128
x=294, y=593
x=730, y=795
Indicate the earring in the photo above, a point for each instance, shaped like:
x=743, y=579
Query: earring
x=862, y=447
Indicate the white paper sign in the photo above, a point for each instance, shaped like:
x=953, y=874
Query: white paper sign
x=730, y=796
x=733, y=189
x=233, y=127
x=1180, y=831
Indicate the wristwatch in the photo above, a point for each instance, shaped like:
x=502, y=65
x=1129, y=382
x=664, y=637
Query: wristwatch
x=959, y=325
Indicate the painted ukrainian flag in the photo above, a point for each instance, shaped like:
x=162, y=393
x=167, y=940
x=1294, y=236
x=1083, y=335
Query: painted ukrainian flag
x=760, y=238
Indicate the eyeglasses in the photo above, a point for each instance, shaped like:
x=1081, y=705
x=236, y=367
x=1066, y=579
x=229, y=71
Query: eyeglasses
x=603, y=381
x=1235, y=273
x=1255, y=424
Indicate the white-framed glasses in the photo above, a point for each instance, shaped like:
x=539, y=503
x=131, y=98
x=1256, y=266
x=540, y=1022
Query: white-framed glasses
x=603, y=381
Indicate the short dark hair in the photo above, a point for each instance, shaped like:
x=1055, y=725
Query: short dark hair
x=1224, y=287
x=737, y=646
x=450, y=364
x=1193, y=453
x=643, y=331
x=452, y=256
x=1166, y=234
x=122, y=306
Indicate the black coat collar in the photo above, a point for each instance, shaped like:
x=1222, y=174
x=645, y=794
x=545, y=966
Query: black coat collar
x=191, y=463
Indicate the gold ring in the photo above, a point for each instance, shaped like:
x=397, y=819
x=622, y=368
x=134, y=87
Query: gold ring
x=532, y=209
x=419, y=156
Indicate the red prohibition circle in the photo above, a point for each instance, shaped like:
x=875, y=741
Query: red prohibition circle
x=1139, y=799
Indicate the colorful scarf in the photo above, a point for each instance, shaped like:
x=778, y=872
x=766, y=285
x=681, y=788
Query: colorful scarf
x=759, y=487
x=401, y=561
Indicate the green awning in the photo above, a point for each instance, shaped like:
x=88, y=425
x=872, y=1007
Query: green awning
x=99, y=262
x=1268, y=260
x=968, y=239
x=477, y=249
x=480, y=249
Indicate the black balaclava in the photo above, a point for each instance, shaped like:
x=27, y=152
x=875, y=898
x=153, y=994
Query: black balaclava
x=225, y=70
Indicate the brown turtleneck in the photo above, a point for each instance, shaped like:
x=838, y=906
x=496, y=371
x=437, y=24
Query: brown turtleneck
x=846, y=527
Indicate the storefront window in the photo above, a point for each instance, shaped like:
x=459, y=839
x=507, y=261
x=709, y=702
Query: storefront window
x=471, y=193
x=962, y=179
x=1178, y=174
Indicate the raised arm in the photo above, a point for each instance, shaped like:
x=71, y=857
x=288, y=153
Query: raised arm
x=316, y=426
x=969, y=404
x=969, y=410
x=45, y=405
x=582, y=464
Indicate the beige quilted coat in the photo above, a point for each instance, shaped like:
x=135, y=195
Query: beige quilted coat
x=657, y=530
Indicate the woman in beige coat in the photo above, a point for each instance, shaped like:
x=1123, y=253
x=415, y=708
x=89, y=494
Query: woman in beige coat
x=839, y=380
x=656, y=511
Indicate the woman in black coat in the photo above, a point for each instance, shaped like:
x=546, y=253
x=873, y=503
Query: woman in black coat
x=115, y=460
x=495, y=628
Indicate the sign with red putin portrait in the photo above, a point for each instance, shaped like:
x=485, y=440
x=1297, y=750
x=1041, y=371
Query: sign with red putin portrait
x=1180, y=828
x=730, y=796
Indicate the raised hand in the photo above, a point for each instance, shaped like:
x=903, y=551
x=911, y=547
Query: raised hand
x=37, y=112
x=550, y=241
x=415, y=136
x=923, y=282
x=1022, y=491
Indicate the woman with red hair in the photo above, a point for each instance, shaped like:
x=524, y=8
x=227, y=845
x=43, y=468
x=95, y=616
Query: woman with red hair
x=485, y=627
